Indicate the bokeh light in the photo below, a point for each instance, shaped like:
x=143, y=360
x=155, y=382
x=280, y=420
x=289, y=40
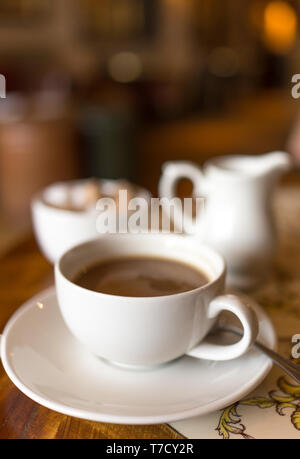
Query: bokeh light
x=223, y=62
x=280, y=27
x=125, y=67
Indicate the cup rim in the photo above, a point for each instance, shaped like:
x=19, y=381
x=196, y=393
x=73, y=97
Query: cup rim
x=38, y=198
x=211, y=283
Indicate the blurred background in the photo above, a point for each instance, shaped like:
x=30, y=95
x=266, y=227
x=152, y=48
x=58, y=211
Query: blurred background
x=113, y=88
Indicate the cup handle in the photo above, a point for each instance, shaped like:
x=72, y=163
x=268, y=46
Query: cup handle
x=172, y=173
x=248, y=318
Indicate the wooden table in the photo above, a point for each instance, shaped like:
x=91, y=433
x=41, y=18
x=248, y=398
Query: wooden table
x=23, y=273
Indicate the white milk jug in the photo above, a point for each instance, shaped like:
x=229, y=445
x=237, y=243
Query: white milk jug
x=237, y=215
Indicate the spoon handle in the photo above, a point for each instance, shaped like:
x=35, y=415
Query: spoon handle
x=286, y=365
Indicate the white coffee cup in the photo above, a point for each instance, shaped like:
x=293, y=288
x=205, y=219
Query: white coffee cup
x=150, y=330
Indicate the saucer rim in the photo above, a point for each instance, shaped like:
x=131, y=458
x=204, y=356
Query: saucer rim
x=125, y=419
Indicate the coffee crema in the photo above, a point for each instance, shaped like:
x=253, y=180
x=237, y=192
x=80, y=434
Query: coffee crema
x=140, y=276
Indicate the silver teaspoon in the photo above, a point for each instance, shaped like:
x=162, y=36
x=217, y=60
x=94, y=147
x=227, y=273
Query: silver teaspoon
x=290, y=368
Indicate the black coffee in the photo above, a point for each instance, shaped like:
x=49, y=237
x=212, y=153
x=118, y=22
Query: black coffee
x=140, y=277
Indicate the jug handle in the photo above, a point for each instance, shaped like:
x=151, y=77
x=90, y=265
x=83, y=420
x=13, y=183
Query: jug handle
x=172, y=173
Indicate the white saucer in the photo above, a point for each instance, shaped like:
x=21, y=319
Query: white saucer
x=45, y=362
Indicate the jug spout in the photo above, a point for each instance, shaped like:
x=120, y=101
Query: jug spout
x=276, y=162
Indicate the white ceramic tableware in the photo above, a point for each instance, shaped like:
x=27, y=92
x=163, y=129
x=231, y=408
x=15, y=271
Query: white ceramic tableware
x=237, y=216
x=150, y=330
x=58, y=229
x=47, y=363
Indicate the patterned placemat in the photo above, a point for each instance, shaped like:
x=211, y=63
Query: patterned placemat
x=273, y=409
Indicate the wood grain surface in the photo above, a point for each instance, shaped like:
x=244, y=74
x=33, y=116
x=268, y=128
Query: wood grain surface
x=23, y=273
